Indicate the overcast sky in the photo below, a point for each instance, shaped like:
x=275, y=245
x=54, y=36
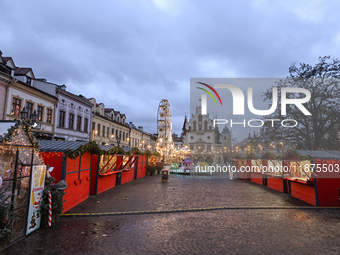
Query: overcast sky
x=131, y=54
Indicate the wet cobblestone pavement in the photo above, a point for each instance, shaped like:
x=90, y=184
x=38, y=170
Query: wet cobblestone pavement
x=229, y=231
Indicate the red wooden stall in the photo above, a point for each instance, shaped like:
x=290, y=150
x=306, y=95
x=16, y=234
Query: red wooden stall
x=75, y=171
x=87, y=173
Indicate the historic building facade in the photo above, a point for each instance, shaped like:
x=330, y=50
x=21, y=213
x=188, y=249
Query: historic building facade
x=73, y=115
x=206, y=143
x=19, y=94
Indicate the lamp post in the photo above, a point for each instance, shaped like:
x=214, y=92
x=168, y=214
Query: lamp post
x=118, y=138
x=93, y=133
x=33, y=117
x=282, y=147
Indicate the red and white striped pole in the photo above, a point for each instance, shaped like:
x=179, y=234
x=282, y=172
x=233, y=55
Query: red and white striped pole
x=49, y=208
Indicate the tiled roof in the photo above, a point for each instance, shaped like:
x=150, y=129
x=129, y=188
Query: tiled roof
x=321, y=154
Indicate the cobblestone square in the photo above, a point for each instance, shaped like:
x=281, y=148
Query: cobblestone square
x=237, y=230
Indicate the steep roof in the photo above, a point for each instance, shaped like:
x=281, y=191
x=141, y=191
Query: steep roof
x=22, y=70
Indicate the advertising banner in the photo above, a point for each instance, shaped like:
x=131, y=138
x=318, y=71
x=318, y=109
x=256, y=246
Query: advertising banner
x=36, y=194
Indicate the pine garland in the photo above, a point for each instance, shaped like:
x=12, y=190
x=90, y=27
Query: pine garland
x=6, y=219
x=268, y=155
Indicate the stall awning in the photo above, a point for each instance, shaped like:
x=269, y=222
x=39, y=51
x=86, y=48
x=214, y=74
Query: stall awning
x=321, y=154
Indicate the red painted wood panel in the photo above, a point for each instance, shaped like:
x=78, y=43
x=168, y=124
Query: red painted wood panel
x=275, y=183
x=127, y=176
x=141, y=168
x=72, y=165
x=256, y=178
x=242, y=175
x=303, y=192
x=86, y=160
x=78, y=185
x=94, y=171
x=106, y=182
x=328, y=187
x=54, y=159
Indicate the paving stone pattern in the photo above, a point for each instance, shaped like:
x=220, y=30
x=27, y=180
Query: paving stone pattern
x=231, y=231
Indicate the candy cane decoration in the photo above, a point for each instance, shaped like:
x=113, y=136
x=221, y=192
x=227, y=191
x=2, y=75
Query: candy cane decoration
x=49, y=208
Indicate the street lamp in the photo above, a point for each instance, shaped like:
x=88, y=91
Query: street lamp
x=119, y=138
x=282, y=147
x=33, y=117
x=93, y=133
x=23, y=113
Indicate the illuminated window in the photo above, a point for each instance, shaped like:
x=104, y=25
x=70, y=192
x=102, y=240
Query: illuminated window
x=40, y=112
x=49, y=116
x=16, y=103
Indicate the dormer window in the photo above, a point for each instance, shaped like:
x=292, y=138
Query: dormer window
x=28, y=80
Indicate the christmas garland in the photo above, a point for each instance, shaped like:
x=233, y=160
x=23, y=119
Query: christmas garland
x=289, y=154
x=251, y=156
x=156, y=153
x=27, y=129
x=135, y=151
x=94, y=148
x=268, y=155
x=6, y=219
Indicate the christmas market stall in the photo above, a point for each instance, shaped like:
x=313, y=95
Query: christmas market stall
x=117, y=166
x=311, y=176
x=72, y=162
x=22, y=178
x=320, y=185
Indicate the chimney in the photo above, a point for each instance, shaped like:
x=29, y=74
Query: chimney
x=140, y=128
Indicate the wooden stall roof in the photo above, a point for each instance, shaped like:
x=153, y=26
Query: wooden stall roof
x=62, y=146
x=321, y=154
x=108, y=147
x=59, y=146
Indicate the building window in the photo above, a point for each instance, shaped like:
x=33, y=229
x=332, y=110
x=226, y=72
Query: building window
x=86, y=123
x=108, y=132
x=49, y=116
x=103, y=131
x=79, y=123
x=194, y=125
x=93, y=125
x=61, y=119
x=112, y=131
x=16, y=106
x=71, y=121
x=28, y=80
x=98, y=129
x=40, y=112
x=123, y=136
x=116, y=133
x=29, y=109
